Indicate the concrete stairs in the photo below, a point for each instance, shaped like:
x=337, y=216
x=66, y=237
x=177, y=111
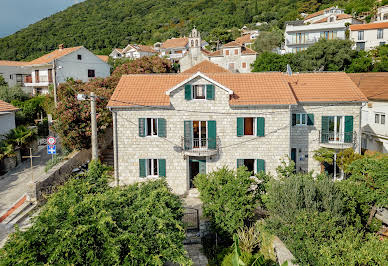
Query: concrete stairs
x=18, y=212
x=107, y=155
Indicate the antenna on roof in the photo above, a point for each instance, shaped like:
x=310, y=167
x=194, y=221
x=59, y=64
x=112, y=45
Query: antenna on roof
x=289, y=70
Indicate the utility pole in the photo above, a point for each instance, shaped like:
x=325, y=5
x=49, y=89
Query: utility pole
x=94, y=126
x=55, y=83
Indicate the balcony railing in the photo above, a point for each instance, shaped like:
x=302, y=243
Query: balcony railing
x=41, y=79
x=337, y=138
x=301, y=42
x=200, y=146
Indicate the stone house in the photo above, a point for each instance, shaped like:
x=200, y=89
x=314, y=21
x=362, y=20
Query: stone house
x=374, y=124
x=175, y=126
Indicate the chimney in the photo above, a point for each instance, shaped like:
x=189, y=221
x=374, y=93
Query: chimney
x=61, y=46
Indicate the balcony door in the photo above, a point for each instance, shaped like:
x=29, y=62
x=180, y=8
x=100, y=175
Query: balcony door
x=199, y=134
x=336, y=128
x=36, y=76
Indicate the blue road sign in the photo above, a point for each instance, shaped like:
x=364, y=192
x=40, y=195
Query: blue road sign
x=51, y=149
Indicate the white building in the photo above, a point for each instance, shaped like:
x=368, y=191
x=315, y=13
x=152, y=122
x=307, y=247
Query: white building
x=7, y=117
x=13, y=73
x=369, y=36
x=374, y=115
x=56, y=67
x=133, y=51
x=248, y=39
x=327, y=24
x=381, y=14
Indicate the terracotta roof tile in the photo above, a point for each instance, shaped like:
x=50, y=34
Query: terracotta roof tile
x=13, y=63
x=104, y=58
x=216, y=53
x=324, y=87
x=232, y=44
x=206, y=67
x=206, y=52
x=374, y=85
x=247, y=50
x=175, y=43
x=7, y=107
x=318, y=13
x=369, y=26
x=48, y=58
x=244, y=39
x=339, y=17
x=146, y=48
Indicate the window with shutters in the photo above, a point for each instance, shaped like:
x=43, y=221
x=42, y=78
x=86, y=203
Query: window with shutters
x=152, y=167
x=199, y=92
x=250, y=126
x=301, y=119
x=253, y=165
x=337, y=129
x=151, y=127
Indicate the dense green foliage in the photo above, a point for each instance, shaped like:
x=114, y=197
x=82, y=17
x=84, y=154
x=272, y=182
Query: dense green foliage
x=30, y=110
x=2, y=82
x=101, y=25
x=73, y=116
x=326, y=223
x=8, y=94
x=228, y=199
x=325, y=55
x=87, y=222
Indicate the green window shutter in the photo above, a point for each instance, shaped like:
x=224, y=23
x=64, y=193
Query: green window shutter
x=240, y=162
x=212, y=135
x=260, y=126
x=310, y=119
x=210, y=92
x=142, y=167
x=325, y=129
x=202, y=167
x=293, y=119
x=187, y=92
x=188, y=138
x=240, y=126
x=260, y=165
x=162, y=127
x=141, y=127
x=162, y=167
x=348, y=129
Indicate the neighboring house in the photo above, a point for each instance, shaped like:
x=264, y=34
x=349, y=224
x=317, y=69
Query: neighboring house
x=175, y=126
x=7, y=117
x=381, y=14
x=328, y=24
x=374, y=119
x=104, y=58
x=247, y=40
x=174, y=48
x=13, y=73
x=117, y=53
x=56, y=67
x=369, y=36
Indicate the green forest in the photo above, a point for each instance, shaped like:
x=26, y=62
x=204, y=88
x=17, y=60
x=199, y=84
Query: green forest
x=101, y=25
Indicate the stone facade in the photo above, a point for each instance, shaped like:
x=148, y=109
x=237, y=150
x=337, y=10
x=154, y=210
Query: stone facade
x=280, y=136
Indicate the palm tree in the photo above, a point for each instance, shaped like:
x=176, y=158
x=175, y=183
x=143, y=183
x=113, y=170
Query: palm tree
x=6, y=150
x=21, y=136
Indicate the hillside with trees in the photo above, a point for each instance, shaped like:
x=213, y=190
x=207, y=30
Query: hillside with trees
x=101, y=25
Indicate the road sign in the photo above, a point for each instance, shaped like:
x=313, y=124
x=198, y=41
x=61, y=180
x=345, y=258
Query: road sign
x=51, y=149
x=51, y=141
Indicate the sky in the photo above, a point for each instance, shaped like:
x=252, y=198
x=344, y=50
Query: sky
x=18, y=14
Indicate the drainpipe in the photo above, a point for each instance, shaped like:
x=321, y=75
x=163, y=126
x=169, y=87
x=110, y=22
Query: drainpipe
x=115, y=147
x=290, y=138
x=359, y=130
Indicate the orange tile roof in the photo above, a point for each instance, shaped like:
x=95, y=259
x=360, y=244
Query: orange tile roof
x=206, y=52
x=146, y=48
x=369, y=26
x=48, y=58
x=272, y=88
x=324, y=87
x=175, y=43
x=244, y=39
x=13, y=63
x=104, y=58
x=216, y=53
x=318, y=13
x=374, y=85
x=206, y=67
x=246, y=51
x=232, y=44
x=7, y=107
x=339, y=17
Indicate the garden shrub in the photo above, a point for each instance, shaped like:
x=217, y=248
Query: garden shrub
x=89, y=223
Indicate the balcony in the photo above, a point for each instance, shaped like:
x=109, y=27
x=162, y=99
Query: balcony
x=302, y=42
x=337, y=140
x=200, y=146
x=41, y=81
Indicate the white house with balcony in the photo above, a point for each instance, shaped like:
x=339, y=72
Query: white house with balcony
x=133, y=51
x=374, y=117
x=14, y=74
x=64, y=63
x=381, y=14
x=369, y=36
x=328, y=24
x=177, y=126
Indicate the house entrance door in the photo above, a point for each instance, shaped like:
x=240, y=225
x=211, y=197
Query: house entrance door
x=197, y=165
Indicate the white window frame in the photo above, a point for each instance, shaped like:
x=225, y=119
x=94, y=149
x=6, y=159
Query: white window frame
x=200, y=134
x=149, y=171
x=301, y=119
x=254, y=127
x=338, y=133
x=380, y=34
x=379, y=118
x=152, y=127
x=360, y=34
x=193, y=91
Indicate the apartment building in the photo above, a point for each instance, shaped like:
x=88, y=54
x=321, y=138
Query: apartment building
x=369, y=36
x=176, y=126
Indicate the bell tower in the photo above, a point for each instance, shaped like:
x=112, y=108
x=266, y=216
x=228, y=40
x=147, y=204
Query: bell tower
x=195, y=43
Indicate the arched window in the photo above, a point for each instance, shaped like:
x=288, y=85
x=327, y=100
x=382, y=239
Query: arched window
x=192, y=43
x=196, y=43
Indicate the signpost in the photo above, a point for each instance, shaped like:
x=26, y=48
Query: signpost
x=51, y=147
x=32, y=171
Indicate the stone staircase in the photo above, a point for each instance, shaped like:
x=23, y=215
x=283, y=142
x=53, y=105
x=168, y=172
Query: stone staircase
x=107, y=155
